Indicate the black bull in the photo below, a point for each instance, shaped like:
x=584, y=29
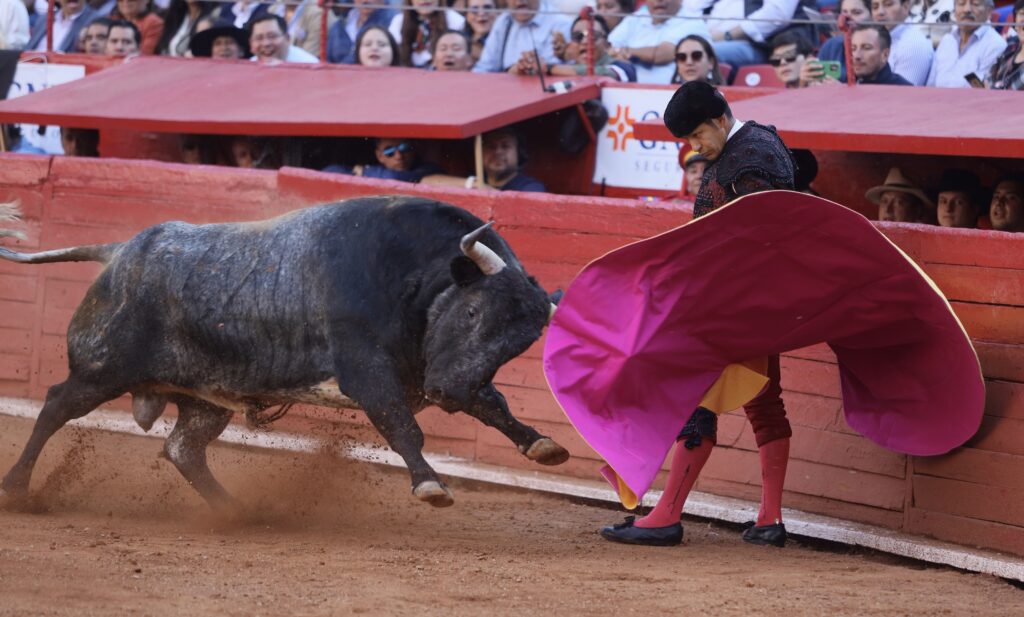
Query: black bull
x=387, y=304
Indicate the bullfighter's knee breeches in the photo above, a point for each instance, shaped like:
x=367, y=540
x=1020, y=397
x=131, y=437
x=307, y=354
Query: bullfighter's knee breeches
x=766, y=413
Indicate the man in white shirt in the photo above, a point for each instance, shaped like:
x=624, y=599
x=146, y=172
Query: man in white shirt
x=911, y=53
x=648, y=38
x=67, y=23
x=519, y=31
x=269, y=42
x=13, y=24
x=966, y=49
x=738, y=40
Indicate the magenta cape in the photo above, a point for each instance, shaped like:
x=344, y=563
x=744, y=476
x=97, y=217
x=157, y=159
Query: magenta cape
x=644, y=331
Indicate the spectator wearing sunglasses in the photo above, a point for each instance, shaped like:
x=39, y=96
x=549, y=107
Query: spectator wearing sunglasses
x=789, y=52
x=396, y=160
x=648, y=38
x=696, y=61
x=604, y=64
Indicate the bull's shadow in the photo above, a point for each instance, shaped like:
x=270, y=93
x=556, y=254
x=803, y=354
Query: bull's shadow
x=389, y=304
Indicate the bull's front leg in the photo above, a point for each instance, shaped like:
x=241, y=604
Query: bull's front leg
x=374, y=385
x=489, y=406
x=398, y=426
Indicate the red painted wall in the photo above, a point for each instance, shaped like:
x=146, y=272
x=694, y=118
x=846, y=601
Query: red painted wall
x=974, y=496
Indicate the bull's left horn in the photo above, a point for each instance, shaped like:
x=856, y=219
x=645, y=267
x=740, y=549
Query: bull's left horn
x=551, y=311
x=487, y=260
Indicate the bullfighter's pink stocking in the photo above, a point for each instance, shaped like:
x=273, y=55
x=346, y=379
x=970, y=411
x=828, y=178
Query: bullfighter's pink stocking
x=682, y=475
x=774, y=456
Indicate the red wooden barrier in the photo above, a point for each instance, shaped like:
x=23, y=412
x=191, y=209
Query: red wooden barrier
x=974, y=495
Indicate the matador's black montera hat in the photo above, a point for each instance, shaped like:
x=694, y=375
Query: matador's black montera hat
x=693, y=103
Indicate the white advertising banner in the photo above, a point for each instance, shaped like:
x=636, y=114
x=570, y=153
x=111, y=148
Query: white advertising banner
x=625, y=161
x=31, y=77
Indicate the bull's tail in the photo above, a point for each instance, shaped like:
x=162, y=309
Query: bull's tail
x=10, y=212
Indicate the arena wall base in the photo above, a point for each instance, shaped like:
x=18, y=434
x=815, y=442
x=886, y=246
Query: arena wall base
x=704, y=505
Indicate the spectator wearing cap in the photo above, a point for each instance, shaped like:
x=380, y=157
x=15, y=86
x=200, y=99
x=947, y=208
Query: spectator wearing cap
x=396, y=160
x=341, y=48
x=789, y=52
x=451, y=52
x=966, y=48
x=269, y=41
x=123, y=39
x=1006, y=212
x=94, y=37
x=869, y=50
x=577, y=49
x=693, y=171
x=899, y=200
x=150, y=25
x=222, y=42
x=517, y=32
x=1008, y=71
x=911, y=52
x=959, y=202
x=649, y=36
x=696, y=61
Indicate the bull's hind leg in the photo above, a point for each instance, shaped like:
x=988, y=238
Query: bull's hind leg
x=198, y=424
x=64, y=402
x=490, y=407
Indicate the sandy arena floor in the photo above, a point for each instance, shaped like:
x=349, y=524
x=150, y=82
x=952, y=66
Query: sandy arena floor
x=115, y=531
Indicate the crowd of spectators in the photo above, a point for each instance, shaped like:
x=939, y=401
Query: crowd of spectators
x=944, y=43
x=940, y=43
x=960, y=201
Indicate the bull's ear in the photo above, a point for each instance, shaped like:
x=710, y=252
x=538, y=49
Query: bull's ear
x=465, y=271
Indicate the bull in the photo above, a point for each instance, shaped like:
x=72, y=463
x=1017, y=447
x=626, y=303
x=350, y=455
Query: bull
x=386, y=304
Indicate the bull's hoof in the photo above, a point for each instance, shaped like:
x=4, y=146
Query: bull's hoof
x=434, y=493
x=546, y=452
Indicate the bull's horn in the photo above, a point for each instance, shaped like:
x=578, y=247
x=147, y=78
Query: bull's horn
x=487, y=260
x=551, y=311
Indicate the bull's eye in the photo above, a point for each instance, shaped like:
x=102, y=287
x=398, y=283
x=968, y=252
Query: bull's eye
x=471, y=312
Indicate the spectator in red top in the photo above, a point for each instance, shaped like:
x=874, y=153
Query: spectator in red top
x=150, y=25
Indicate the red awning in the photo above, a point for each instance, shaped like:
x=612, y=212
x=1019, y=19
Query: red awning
x=905, y=120
x=173, y=95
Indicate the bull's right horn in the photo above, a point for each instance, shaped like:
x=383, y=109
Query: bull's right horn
x=487, y=260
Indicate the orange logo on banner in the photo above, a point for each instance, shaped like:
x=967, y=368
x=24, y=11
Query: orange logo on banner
x=620, y=127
